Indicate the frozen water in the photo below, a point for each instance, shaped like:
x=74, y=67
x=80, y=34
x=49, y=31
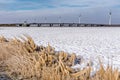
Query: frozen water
x=90, y=42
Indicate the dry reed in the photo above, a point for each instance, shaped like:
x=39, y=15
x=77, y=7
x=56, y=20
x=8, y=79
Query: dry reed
x=22, y=59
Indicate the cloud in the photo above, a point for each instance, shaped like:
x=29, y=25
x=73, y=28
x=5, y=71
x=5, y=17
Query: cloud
x=7, y=1
x=90, y=3
x=45, y=4
x=93, y=11
x=59, y=7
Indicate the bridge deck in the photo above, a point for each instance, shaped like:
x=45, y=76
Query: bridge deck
x=68, y=25
x=59, y=25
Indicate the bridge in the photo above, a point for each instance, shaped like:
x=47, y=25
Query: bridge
x=57, y=25
x=65, y=25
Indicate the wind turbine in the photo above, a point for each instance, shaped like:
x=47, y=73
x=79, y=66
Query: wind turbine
x=79, y=19
x=45, y=20
x=110, y=18
x=59, y=19
x=35, y=20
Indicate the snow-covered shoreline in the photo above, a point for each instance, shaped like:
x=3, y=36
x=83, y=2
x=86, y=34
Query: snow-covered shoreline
x=89, y=42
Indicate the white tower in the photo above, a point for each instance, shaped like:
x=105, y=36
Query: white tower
x=34, y=20
x=79, y=19
x=25, y=23
x=45, y=20
x=59, y=19
x=110, y=18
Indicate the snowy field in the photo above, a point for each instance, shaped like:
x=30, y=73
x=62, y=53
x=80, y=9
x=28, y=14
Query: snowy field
x=89, y=42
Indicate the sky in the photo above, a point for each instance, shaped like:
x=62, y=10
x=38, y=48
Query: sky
x=91, y=11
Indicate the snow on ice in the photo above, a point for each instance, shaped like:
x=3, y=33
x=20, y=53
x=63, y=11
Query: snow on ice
x=89, y=42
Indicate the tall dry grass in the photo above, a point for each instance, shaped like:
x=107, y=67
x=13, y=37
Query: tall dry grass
x=22, y=59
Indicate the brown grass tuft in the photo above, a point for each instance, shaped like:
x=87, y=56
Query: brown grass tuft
x=22, y=59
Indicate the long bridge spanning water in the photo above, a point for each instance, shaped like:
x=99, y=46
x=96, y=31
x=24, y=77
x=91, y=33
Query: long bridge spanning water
x=66, y=25
x=58, y=25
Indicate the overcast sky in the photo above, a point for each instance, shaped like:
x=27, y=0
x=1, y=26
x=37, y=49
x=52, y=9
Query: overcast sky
x=92, y=11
